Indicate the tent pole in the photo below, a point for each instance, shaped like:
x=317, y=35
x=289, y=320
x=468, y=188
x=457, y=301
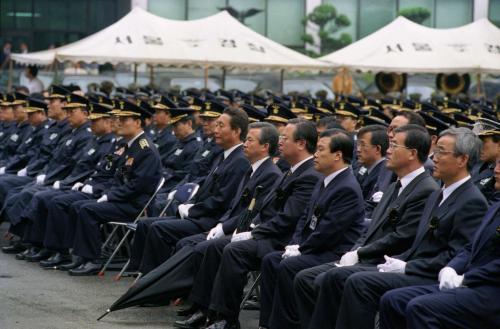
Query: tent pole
x=478, y=84
x=205, y=83
x=135, y=73
x=282, y=80
x=151, y=75
x=223, y=78
x=11, y=68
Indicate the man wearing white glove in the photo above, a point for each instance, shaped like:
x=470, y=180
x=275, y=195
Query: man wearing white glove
x=451, y=217
x=77, y=186
x=216, y=232
x=391, y=231
x=40, y=179
x=56, y=185
x=183, y=210
x=2, y=170
x=291, y=251
x=23, y=172
x=87, y=189
x=449, y=279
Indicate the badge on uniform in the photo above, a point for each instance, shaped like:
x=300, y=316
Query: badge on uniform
x=14, y=137
x=53, y=136
x=204, y=154
x=314, y=218
x=129, y=161
x=68, y=142
x=120, y=151
x=178, y=152
x=485, y=181
x=1, y=133
x=28, y=140
x=362, y=171
x=143, y=143
x=91, y=151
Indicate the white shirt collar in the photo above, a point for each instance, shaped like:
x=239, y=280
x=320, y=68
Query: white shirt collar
x=447, y=191
x=130, y=142
x=375, y=164
x=297, y=165
x=409, y=177
x=230, y=150
x=334, y=174
x=257, y=164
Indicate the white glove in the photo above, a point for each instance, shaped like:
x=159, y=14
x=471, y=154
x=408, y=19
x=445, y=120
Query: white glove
x=56, y=185
x=215, y=232
x=291, y=251
x=242, y=237
x=87, y=189
x=23, y=172
x=377, y=196
x=184, y=210
x=40, y=179
x=392, y=265
x=76, y=186
x=171, y=195
x=2, y=170
x=449, y=279
x=349, y=258
x=104, y=198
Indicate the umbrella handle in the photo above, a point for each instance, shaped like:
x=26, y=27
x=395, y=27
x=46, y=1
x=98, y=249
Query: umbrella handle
x=106, y=313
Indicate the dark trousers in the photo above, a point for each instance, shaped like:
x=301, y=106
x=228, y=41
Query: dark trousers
x=61, y=220
x=36, y=215
x=428, y=307
x=277, y=297
x=362, y=293
x=10, y=181
x=238, y=258
x=162, y=238
x=207, y=258
x=91, y=215
x=140, y=236
x=318, y=292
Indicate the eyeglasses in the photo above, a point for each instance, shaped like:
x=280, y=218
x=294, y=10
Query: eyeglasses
x=394, y=145
x=439, y=152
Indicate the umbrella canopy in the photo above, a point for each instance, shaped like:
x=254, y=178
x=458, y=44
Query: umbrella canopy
x=215, y=41
x=172, y=279
x=403, y=46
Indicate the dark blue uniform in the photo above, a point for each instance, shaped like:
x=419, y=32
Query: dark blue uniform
x=135, y=182
x=475, y=305
x=483, y=176
x=36, y=212
x=19, y=136
x=165, y=141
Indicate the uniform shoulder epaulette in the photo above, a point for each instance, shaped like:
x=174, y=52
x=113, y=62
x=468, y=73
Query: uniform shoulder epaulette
x=143, y=143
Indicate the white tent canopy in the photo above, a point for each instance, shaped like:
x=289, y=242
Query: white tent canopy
x=403, y=46
x=141, y=37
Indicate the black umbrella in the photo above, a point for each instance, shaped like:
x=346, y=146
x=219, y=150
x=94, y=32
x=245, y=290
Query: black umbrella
x=171, y=279
x=246, y=216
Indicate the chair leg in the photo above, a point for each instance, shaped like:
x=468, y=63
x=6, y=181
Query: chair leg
x=254, y=286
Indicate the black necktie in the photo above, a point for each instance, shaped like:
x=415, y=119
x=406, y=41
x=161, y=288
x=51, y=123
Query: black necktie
x=396, y=191
x=438, y=201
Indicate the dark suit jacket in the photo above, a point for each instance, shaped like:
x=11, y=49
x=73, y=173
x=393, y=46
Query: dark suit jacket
x=266, y=176
x=339, y=217
x=281, y=209
x=479, y=261
x=215, y=195
x=394, y=225
x=454, y=222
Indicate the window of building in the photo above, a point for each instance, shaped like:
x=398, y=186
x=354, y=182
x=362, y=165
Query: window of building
x=374, y=15
x=453, y=13
x=284, y=21
x=494, y=12
x=425, y=4
x=348, y=8
x=203, y=8
x=173, y=9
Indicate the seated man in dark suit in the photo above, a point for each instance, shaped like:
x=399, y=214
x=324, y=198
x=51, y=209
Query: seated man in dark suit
x=271, y=229
x=329, y=227
x=482, y=173
x=450, y=218
x=468, y=290
x=156, y=238
x=371, y=147
x=392, y=229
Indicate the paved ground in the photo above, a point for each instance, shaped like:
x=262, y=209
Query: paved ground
x=33, y=298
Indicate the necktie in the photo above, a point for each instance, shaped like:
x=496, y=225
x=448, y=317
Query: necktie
x=396, y=191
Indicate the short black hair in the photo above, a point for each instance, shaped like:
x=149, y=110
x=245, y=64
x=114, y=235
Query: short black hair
x=305, y=130
x=418, y=138
x=239, y=119
x=268, y=134
x=413, y=118
x=188, y=118
x=340, y=141
x=379, y=136
x=325, y=121
x=33, y=70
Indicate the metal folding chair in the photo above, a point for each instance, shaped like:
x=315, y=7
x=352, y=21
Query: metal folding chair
x=182, y=194
x=125, y=236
